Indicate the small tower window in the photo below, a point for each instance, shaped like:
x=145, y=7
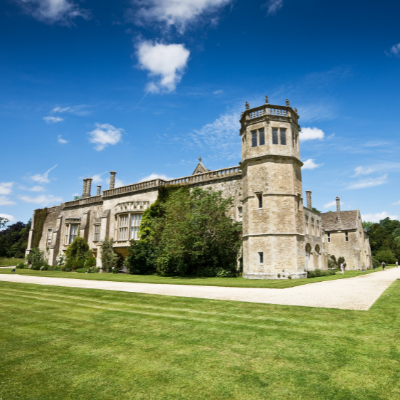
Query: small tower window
x=254, y=139
x=261, y=257
x=262, y=137
x=275, y=136
x=283, y=136
x=347, y=236
x=240, y=213
x=328, y=235
x=260, y=200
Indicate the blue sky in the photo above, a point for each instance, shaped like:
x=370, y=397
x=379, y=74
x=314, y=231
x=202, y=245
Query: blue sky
x=144, y=87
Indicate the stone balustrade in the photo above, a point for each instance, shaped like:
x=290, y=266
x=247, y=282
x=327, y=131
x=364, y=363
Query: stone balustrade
x=268, y=109
x=133, y=188
x=83, y=202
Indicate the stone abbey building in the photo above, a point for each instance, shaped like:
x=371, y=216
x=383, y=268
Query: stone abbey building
x=281, y=236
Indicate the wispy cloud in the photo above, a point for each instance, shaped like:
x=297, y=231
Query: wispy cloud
x=42, y=178
x=378, y=216
x=76, y=110
x=155, y=176
x=332, y=204
x=394, y=50
x=53, y=11
x=397, y=203
x=105, y=135
x=177, y=13
x=164, y=62
x=311, y=134
x=368, y=182
x=6, y=187
x=119, y=182
x=53, y=120
x=381, y=167
x=42, y=199
x=33, y=188
x=5, y=201
x=273, y=6
x=61, y=140
x=310, y=164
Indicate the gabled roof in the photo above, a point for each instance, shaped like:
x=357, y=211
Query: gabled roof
x=200, y=169
x=330, y=220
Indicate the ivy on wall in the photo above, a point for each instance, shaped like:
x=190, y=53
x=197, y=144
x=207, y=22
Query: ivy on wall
x=39, y=220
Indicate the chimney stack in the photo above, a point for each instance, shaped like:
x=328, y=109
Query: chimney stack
x=84, y=188
x=88, y=187
x=338, y=217
x=309, y=199
x=112, y=179
x=98, y=190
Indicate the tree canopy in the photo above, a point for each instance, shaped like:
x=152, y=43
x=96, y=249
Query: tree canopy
x=14, y=240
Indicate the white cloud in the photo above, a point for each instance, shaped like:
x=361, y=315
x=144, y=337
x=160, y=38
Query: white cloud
x=178, y=13
x=104, y=135
x=42, y=199
x=33, y=189
x=311, y=134
x=42, y=178
x=394, y=50
x=218, y=92
x=273, y=6
x=61, y=140
x=53, y=120
x=97, y=178
x=8, y=216
x=118, y=183
x=397, y=203
x=368, y=182
x=384, y=167
x=60, y=109
x=6, y=187
x=51, y=11
x=378, y=216
x=310, y=164
x=5, y=201
x=155, y=176
x=165, y=62
x=332, y=204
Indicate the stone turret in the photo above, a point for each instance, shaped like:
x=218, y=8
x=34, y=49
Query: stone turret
x=273, y=221
x=112, y=179
x=309, y=199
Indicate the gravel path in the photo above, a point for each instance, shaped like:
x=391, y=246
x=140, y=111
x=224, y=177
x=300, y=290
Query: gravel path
x=350, y=294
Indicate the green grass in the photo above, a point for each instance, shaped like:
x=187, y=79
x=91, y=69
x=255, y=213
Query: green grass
x=228, y=282
x=5, y=262
x=67, y=343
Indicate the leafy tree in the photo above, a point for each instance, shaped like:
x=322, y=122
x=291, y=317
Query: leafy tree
x=14, y=240
x=385, y=255
x=381, y=238
x=3, y=222
x=77, y=253
x=390, y=225
x=109, y=258
x=367, y=225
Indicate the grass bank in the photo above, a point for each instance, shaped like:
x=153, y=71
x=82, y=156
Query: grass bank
x=67, y=343
x=5, y=262
x=227, y=282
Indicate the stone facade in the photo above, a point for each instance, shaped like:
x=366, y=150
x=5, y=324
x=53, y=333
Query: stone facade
x=281, y=237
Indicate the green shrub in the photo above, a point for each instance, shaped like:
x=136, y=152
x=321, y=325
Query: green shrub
x=81, y=270
x=90, y=263
x=109, y=258
x=20, y=265
x=35, y=256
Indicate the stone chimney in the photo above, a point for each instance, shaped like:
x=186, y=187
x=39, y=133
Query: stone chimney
x=112, y=179
x=84, y=189
x=88, y=187
x=338, y=216
x=309, y=199
x=98, y=190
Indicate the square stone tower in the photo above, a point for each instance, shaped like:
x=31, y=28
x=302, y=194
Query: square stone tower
x=273, y=221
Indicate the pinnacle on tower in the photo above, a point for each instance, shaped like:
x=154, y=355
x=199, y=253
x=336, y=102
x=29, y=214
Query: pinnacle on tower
x=247, y=106
x=266, y=100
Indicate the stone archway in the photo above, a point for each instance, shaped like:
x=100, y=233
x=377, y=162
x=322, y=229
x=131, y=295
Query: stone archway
x=308, y=255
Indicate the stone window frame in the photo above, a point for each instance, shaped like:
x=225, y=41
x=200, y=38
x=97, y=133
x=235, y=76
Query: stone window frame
x=279, y=136
x=123, y=227
x=127, y=228
x=240, y=213
x=70, y=235
x=328, y=236
x=261, y=257
x=346, y=236
x=259, y=196
x=258, y=137
x=96, y=232
x=49, y=237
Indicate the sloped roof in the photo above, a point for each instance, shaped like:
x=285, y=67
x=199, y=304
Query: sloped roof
x=330, y=220
x=200, y=169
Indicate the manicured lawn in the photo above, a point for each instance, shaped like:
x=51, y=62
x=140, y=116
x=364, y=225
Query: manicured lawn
x=67, y=343
x=5, y=262
x=228, y=282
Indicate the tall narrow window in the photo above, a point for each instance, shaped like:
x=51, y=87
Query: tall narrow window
x=96, y=233
x=73, y=233
x=275, y=136
x=283, y=136
x=254, y=139
x=262, y=137
x=347, y=236
x=260, y=200
x=123, y=227
x=328, y=235
x=312, y=226
x=261, y=257
x=240, y=213
x=135, y=224
x=49, y=236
